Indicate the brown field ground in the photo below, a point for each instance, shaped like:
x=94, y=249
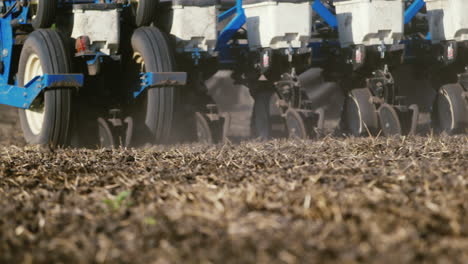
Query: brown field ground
x=334, y=200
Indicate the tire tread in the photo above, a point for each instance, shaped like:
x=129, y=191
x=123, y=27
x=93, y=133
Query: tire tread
x=158, y=58
x=55, y=60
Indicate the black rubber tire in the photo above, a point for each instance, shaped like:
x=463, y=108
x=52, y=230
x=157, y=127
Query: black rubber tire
x=54, y=59
x=156, y=112
x=145, y=12
x=45, y=16
x=451, y=114
x=360, y=115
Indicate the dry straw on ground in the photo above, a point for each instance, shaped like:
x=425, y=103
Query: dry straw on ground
x=397, y=200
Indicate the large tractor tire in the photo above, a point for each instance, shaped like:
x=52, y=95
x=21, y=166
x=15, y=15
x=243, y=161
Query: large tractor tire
x=154, y=110
x=42, y=13
x=48, y=120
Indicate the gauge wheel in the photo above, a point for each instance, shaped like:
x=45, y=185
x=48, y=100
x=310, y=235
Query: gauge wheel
x=42, y=12
x=144, y=12
x=451, y=114
x=49, y=118
x=360, y=114
x=154, y=109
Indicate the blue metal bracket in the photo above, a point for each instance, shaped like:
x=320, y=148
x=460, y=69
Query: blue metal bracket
x=160, y=79
x=413, y=9
x=98, y=56
x=23, y=16
x=234, y=25
x=324, y=13
x=22, y=97
x=196, y=56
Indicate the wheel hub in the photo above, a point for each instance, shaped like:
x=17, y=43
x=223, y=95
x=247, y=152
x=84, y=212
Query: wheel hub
x=34, y=115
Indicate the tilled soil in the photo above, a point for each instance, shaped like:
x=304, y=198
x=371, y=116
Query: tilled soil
x=334, y=200
x=10, y=129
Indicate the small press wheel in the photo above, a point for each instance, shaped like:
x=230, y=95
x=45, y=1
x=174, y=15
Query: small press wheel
x=42, y=12
x=389, y=120
x=360, y=115
x=48, y=120
x=153, y=112
x=295, y=124
x=451, y=114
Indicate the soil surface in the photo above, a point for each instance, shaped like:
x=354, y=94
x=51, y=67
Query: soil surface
x=334, y=200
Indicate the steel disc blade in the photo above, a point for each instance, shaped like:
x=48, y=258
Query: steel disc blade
x=204, y=134
x=295, y=124
x=106, y=139
x=389, y=120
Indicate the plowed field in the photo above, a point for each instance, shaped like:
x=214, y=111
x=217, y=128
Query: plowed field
x=334, y=200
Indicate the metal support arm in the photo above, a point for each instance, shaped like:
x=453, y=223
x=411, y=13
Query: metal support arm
x=413, y=9
x=236, y=23
x=22, y=97
x=324, y=13
x=160, y=79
